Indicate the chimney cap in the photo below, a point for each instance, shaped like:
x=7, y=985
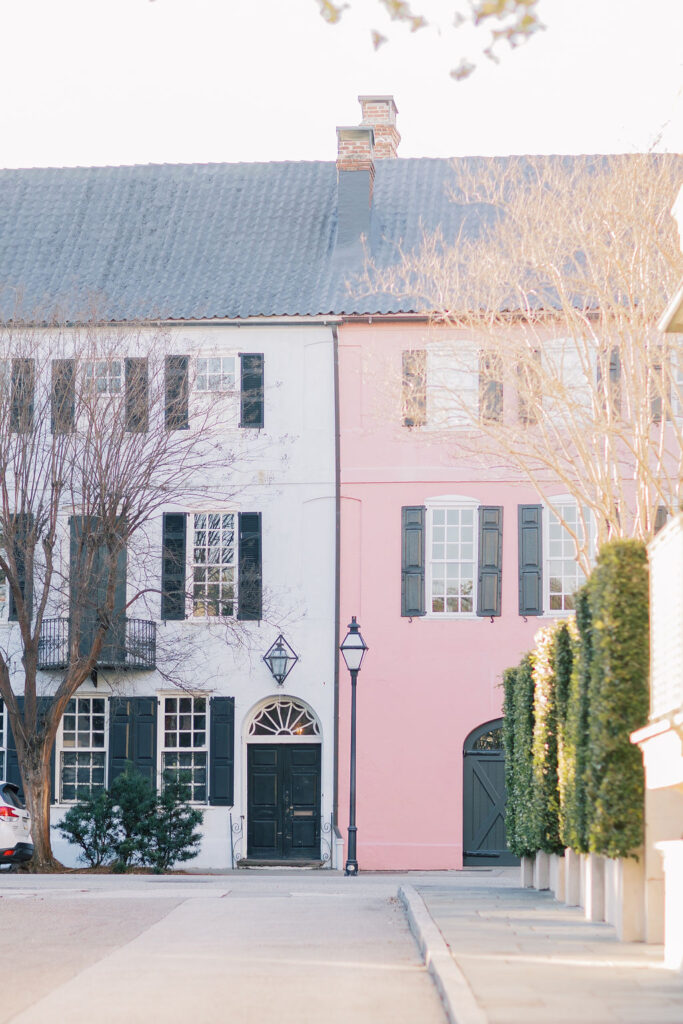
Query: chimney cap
x=379, y=99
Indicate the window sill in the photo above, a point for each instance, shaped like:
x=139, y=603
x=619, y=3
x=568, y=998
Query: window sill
x=453, y=616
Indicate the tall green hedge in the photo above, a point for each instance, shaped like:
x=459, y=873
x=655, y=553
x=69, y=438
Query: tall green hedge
x=509, y=684
x=618, y=697
x=546, y=796
x=522, y=833
x=574, y=753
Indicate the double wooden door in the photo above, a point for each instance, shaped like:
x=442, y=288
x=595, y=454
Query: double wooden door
x=283, y=801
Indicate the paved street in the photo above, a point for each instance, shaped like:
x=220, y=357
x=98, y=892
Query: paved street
x=306, y=946
x=249, y=947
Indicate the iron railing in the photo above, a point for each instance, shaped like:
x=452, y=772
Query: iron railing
x=129, y=644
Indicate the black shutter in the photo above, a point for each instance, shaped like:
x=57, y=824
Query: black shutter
x=137, y=396
x=173, y=565
x=413, y=560
x=22, y=525
x=23, y=389
x=661, y=517
x=249, y=587
x=414, y=388
x=63, y=396
x=12, y=773
x=490, y=389
x=251, y=390
x=222, y=751
x=530, y=559
x=133, y=736
x=88, y=595
x=490, y=559
x=177, y=382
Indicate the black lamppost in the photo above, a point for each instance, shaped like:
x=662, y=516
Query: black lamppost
x=353, y=648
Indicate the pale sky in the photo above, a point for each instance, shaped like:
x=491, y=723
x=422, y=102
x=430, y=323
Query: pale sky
x=133, y=81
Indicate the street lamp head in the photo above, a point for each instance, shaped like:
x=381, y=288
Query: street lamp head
x=353, y=647
x=280, y=659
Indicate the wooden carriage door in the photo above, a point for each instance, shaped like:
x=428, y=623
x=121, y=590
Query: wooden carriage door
x=484, y=798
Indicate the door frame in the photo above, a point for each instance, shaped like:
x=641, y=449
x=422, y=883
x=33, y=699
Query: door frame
x=263, y=740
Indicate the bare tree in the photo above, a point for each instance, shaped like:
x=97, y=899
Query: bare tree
x=95, y=439
x=542, y=355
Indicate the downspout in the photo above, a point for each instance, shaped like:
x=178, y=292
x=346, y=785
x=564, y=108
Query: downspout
x=337, y=570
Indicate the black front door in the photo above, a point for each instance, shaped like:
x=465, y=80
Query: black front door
x=283, y=802
x=484, y=798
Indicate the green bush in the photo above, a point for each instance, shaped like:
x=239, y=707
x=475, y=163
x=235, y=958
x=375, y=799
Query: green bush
x=92, y=825
x=574, y=747
x=135, y=801
x=523, y=840
x=509, y=683
x=618, y=697
x=171, y=836
x=132, y=824
x=546, y=796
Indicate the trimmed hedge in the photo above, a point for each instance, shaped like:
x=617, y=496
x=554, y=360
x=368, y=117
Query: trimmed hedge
x=574, y=754
x=523, y=840
x=546, y=795
x=509, y=684
x=618, y=697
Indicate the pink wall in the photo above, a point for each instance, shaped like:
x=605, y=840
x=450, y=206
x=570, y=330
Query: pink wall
x=426, y=683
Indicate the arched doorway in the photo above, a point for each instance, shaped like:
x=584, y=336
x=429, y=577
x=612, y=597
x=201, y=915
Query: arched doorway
x=283, y=782
x=484, y=797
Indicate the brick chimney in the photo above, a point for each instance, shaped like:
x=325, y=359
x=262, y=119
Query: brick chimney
x=380, y=113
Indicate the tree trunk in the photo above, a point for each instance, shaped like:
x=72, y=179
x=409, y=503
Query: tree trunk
x=37, y=781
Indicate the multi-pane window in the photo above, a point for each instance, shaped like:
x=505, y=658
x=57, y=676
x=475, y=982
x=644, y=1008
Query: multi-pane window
x=104, y=376
x=213, y=564
x=185, y=744
x=216, y=374
x=452, y=559
x=564, y=573
x=83, y=748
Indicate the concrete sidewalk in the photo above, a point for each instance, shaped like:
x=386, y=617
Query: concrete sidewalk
x=527, y=958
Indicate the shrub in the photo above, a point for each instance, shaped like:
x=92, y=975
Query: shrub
x=91, y=824
x=171, y=835
x=619, y=697
x=573, y=764
x=135, y=801
x=546, y=795
x=509, y=683
x=523, y=841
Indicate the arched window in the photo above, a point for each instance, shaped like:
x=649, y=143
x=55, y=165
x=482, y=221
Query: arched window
x=284, y=717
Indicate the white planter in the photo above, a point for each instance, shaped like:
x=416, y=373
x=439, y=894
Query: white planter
x=526, y=869
x=594, y=880
x=557, y=876
x=625, y=897
x=542, y=871
x=572, y=878
x=672, y=852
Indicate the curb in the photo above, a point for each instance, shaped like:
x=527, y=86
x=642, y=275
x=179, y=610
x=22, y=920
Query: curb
x=456, y=994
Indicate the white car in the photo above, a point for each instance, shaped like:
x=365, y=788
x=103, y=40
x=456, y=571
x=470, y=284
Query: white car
x=15, y=826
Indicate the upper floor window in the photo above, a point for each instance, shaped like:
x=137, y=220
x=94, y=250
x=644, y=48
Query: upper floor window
x=213, y=564
x=216, y=373
x=452, y=560
x=564, y=573
x=104, y=376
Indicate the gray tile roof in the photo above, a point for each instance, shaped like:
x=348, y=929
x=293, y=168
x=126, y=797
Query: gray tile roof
x=196, y=241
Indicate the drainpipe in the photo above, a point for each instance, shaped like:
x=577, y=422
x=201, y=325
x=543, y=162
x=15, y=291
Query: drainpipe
x=337, y=571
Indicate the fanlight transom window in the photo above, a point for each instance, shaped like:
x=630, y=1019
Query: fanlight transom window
x=284, y=718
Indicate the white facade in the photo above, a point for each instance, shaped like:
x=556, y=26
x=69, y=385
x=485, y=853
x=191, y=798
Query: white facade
x=286, y=472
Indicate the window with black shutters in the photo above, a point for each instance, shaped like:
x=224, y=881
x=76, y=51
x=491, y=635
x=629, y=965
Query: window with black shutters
x=22, y=395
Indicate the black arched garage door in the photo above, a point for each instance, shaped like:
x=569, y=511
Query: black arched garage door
x=484, y=797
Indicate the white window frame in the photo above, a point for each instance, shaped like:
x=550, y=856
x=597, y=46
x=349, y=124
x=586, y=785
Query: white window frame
x=92, y=749
x=178, y=749
x=562, y=501
x=451, y=503
x=92, y=376
x=217, y=379
x=191, y=564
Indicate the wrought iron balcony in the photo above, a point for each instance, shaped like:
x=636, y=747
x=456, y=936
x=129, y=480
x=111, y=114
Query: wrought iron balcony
x=129, y=644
